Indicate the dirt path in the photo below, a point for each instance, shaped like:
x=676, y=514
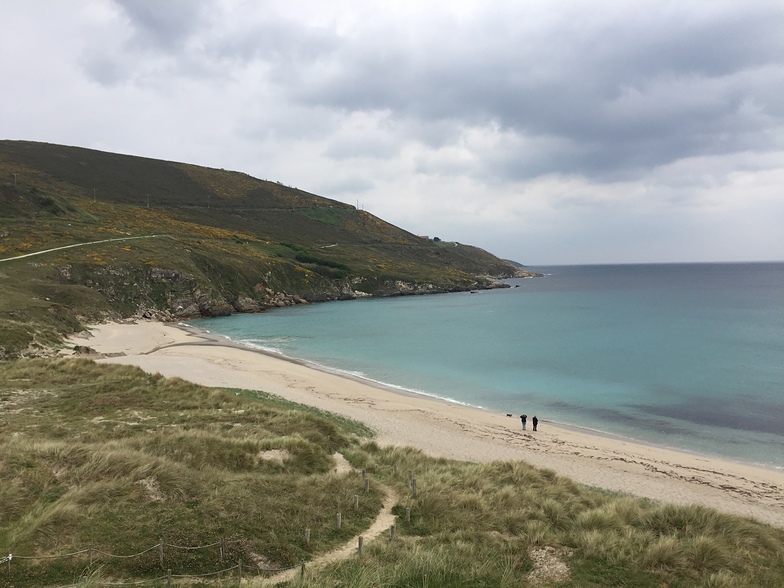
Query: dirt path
x=383, y=522
x=81, y=245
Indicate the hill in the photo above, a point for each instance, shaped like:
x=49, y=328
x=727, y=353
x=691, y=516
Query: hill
x=128, y=235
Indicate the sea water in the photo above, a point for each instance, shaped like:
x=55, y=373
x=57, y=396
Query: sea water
x=688, y=356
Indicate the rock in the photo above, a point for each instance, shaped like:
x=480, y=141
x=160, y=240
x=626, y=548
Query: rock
x=210, y=307
x=84, y=350
x=188, y=311
x=245, y=304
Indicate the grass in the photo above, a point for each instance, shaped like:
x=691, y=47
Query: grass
x=114, y=458
x=223, y=241
x=479, y=524
x=111, y=457
x=204, y=263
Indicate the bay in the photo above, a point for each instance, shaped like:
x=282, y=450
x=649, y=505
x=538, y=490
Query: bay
x=687, y=356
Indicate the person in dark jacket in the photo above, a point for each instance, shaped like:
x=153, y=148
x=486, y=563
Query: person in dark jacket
x=535, y=421
x=523, y=418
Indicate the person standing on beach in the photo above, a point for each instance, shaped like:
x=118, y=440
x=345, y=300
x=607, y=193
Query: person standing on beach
x=523, y=418
x=535, y=421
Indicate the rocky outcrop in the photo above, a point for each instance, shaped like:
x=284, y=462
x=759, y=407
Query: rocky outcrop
x=245, y=304
x=399, y=288
x=170, y=295
x=522, y=273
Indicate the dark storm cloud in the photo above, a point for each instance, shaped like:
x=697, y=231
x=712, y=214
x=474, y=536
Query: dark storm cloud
x=151, y=41
x=163, y=25
x=612, y=96
x=605, y=94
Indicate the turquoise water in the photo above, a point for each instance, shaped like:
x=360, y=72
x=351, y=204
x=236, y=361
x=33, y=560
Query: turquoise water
x=689, y=356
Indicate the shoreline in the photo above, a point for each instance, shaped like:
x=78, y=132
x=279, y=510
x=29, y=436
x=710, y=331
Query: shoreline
x=222, y=340
x=442, y=428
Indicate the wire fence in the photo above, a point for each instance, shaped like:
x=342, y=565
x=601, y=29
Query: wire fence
x=93, y=554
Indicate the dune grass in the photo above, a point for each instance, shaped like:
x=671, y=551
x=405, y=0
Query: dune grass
x=117, y=459
x=484, y=524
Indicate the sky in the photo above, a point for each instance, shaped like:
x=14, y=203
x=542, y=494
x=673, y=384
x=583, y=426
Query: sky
x=544, y=131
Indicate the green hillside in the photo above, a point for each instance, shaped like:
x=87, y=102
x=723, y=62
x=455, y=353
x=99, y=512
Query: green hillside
x=180, y=241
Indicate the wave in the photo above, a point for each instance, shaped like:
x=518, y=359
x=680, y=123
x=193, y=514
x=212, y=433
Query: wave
x=256, y=344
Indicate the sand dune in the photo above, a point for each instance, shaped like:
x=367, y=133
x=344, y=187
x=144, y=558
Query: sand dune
x=445, y=429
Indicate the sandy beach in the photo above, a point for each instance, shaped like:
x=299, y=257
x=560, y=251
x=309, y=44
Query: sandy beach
x=444, y=429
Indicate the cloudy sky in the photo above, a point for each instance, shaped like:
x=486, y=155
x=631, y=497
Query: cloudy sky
x=545, y=131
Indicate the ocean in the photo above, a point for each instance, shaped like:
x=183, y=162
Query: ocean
x=686, y=356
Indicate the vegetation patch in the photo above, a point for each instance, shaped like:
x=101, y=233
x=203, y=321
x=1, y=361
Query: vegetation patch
x=509, y=524
x=174, y=241
x=116, y=460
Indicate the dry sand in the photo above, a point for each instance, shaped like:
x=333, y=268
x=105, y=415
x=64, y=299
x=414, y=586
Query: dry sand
x=446, y=429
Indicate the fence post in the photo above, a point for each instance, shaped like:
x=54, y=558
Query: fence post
x=307, y=537
x=367, y=484
x=302, y=569
x=364, y=473
x=223, y=548
x=8, y=563
x=408, y=514
x=168, y=578
x=160, y=551
x=392, y=532
x=413, y=487
x=339, y=521
x=360, y=540
x=239, y=572
x=356, y=501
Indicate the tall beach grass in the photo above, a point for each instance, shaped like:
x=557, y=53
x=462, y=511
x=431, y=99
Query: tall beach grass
x=116, y=459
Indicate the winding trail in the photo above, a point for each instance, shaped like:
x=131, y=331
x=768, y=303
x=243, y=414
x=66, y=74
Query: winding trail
x=81, y=245
x=383, y=522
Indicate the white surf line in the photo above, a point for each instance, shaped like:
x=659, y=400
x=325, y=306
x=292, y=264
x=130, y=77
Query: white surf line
x=80, y=245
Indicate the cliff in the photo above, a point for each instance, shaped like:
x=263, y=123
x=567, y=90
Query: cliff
x=128, y=236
